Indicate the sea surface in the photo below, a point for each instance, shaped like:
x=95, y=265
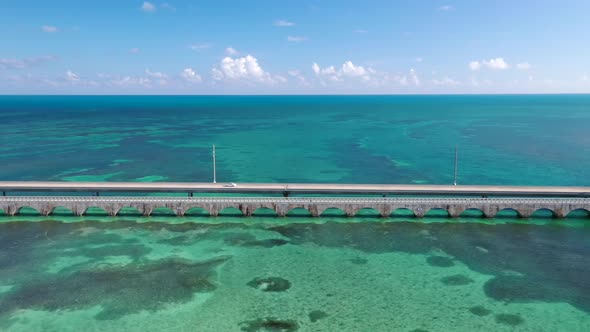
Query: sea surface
x=297, y=273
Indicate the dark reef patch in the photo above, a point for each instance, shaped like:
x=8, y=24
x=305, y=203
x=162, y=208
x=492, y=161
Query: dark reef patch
x=316, y=315
x=479, y=310
x=509, y=319
x=134, y=251
x=270, y=284
x=439, y=261
x=119, y=290
x=238, y=239
x=249, y=240
x=182, y=240
x=358, y=261
x=547, y=260
x=456, y=280
x=268, y=243
x=269, y=324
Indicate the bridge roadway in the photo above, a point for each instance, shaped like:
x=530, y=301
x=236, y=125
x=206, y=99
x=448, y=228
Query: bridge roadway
x=525, y=207
x=294, y=188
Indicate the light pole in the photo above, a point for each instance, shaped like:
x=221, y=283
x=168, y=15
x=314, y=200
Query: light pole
x=214, y=166
x=456, y=158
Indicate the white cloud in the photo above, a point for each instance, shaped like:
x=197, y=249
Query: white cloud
x=296, y=39
x=156, y=74
x=523, y=66
x=49, y=28
x=280, y=79
x=447, y=81
x=497, y=64
x=7, y=63
x=361, y=31
x=414, y=77
x=129, y=81
x=148, y=7
x=283, y=23
x=446, y=8
x=419, y=59
x=199, y=47
x=231, y=51
x=474, y=65
x=405, y=79
x=72, y=77
x=161, y=78
x=494, y=64
x=348, y=69
x=241, y=68
x=296, y=74
x=134, y=50
x=191, y=76
x=316, y=68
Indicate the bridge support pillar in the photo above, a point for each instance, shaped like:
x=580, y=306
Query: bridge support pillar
x=455, y=211
x=490, y=211
x=111, y=210
x=213, y=210
x=314, y=210
x=524, y=212
x=246, y=209
x=350, y=212
x=420, y=212
x=559, y=213
x=384, y=210
x=78, y=211
x=281, y=210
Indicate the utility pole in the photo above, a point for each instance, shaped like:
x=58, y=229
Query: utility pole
x=456, y=158
x=214, y=166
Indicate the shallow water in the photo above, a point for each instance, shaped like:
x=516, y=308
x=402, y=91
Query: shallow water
x=293, y=274
x=262, y=273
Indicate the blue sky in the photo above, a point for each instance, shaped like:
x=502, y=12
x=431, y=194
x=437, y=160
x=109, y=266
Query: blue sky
x=294, y=47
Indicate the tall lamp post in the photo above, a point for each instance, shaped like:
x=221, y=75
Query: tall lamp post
x=214, y=166
x=456, y=158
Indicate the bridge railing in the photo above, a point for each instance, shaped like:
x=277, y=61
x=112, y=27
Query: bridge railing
x=293, y=200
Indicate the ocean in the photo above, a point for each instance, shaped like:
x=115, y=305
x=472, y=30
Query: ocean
x=264, y=273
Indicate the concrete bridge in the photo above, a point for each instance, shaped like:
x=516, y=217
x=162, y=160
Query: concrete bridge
x=385, y=206
x=288, y=189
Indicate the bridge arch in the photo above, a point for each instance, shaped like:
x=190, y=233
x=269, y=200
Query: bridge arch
x=27, y=210
x=508, y=213
x=579, y=213
x=367, y=212
x=230, y=211
x=403, y=213
x=264, y=212
x=94, y=211
x=331, y=212
x=544, y=213
x=196, y=211
x=163, y=211
x=298, y=212
x=61, y=210
x=131, y=211
x=437, y=212
x=472, y=213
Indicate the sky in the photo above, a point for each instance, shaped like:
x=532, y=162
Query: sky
x=294, y=47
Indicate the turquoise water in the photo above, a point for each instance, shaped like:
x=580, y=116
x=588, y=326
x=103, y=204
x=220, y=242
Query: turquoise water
x=96, y=273
x=525, y=140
